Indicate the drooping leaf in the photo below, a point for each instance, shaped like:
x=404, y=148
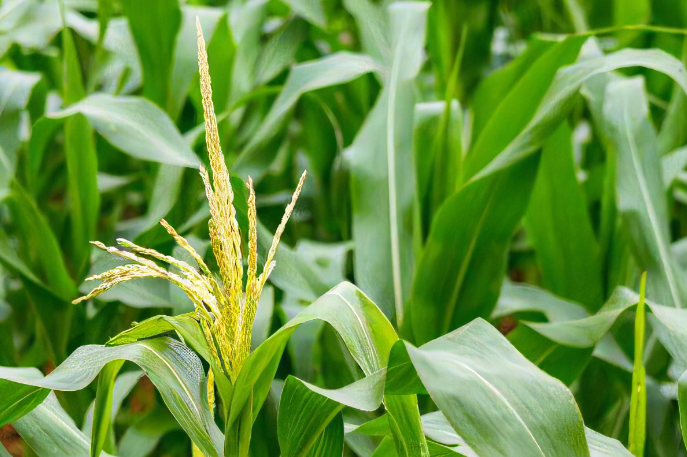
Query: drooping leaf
x=135, y=126
x=50, y=432
x=173, y=368
x=498, y=382
x=331, y=70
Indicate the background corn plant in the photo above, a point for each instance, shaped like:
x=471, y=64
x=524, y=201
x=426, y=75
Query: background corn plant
x=493, y=176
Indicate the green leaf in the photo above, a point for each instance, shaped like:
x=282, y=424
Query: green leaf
x=602, y=446
x=454, y=282
x=537, y=413
x=135, y=126
x=559, y=227
x=17, y=400
x=16, y=89
x=637, y=436
x=50, y=432
x=44, y=248
x=173, y=368
x=437, y=166
x=305, y=411
x=155, y=43
x=672, y=163
x=368, y=336
x=82, y=163
x=640, y=196
x=337, y=68
x=141, y=439
x=587, y=331
x=123, y=386
x=478, y=221
x=186, y=326
x=516, y=112
x=280, y=51
x=380, y=161
x=166, y=190
x=559, y=100
x=311, y=10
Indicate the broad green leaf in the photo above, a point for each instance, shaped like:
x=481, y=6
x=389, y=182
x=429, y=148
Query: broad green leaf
x=670, y=326
x=135, y=126
x=459, y=275
x=368, y=335
x=520, y=297
x=141, y=439
x=122, y=72
x=53, y=312
x=373, y=21
x=536, y=413
x=30, y=23
x=246, y=20
x=673, y=132
x=640, y=196
x=682, y=400
x=380, y=161
x=328, y=71
x=558, y=224
x=186, y=326
x=155, y=44
x=312, y=10
x=331, y=440
x=173, y=368
x=406, y=425
x=492, y=91
x=295, y=275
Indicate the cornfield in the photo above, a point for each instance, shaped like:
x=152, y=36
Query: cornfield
x=356, y=228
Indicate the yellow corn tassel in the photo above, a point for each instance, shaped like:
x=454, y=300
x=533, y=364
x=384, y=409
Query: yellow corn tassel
x=225, y=312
